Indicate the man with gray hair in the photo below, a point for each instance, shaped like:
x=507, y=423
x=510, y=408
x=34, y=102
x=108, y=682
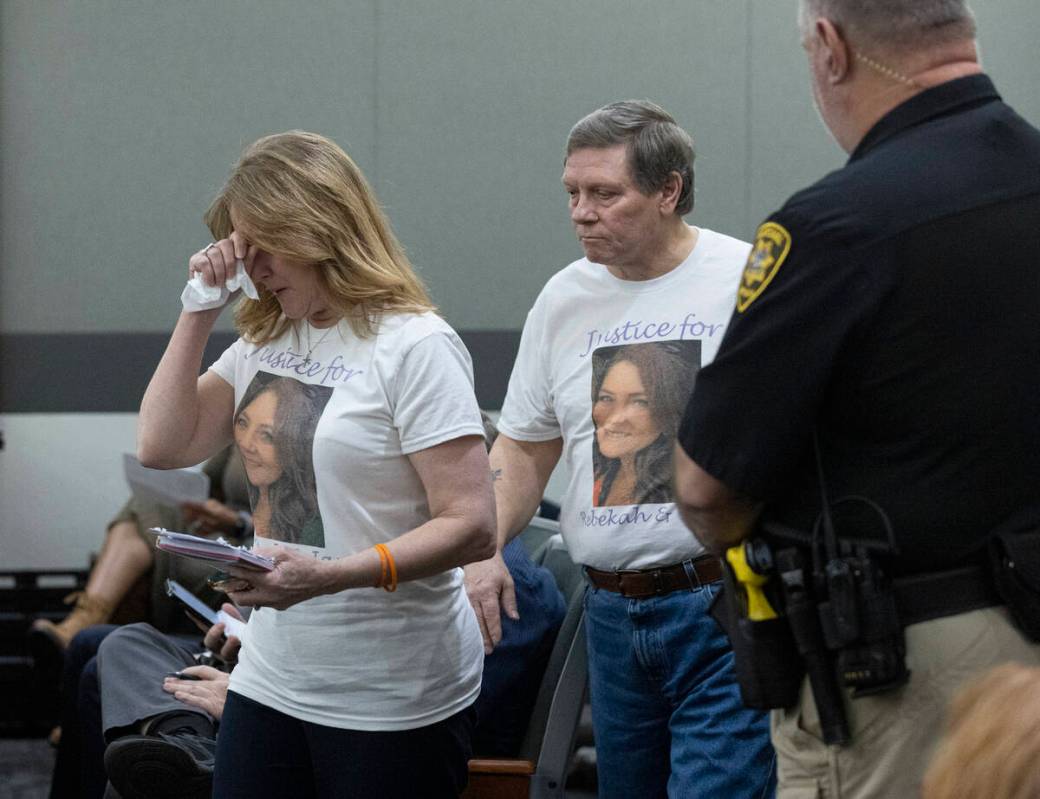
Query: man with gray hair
x=894, y=478
x=607, y=360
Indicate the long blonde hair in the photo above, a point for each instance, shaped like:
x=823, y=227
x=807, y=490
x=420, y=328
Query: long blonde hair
x=300, y=196
x=992, y=742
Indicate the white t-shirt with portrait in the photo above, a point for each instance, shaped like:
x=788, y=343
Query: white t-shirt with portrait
x=626, y=353
x=332, y=469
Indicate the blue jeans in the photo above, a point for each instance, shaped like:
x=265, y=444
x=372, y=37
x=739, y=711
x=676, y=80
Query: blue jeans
x=666, y=710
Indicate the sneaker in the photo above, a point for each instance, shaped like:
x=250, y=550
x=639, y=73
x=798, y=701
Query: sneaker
x=176, y=765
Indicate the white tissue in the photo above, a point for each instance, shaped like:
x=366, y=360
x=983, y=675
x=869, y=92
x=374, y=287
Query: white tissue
x=197, y=296
x=232, y=626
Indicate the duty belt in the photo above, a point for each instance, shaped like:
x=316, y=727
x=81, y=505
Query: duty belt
x=923, y=597
x=642, y=583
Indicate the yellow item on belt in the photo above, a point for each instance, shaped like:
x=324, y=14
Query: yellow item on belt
x=758, y=607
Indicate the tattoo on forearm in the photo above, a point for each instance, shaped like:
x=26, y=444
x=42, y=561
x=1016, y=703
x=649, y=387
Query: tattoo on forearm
x=496, y=475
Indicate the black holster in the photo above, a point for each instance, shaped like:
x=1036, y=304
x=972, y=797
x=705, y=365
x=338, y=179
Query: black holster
x=1014, y=550
x=768, y=668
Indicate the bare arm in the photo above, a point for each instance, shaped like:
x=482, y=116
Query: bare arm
x=462, y=509
x=186, y=418
x=461, y=529
x=519, y=471
x=718, y=516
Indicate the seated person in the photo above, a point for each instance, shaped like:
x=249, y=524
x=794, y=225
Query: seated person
x=126, y=707
x=128, y=554
x=162, y=744
x=513, y=670
x=137, y=648
x=514, y=666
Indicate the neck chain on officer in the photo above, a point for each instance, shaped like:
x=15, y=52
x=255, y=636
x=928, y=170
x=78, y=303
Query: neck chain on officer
x=310, y=347
x=888, y=72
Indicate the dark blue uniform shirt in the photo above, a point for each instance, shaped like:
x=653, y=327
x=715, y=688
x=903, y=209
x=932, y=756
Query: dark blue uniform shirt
x=893, y=306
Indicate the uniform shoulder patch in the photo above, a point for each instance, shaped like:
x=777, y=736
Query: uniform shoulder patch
x=772, y=243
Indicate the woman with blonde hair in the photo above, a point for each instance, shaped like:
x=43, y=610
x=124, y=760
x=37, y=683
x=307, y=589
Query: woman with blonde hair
x=361, y=663
x=992, y=743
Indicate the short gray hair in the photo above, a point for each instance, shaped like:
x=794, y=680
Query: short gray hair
x=656, y=145
x=894, y=24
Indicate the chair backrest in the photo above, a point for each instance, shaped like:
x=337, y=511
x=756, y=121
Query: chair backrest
x=549, y=740
x=537, y=532
x=555, y=557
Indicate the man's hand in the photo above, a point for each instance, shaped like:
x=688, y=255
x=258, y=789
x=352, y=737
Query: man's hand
x=216, y=641
x=491, y=592
x=207, y=693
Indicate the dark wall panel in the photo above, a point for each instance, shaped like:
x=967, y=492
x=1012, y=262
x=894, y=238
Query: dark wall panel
x=108, y=372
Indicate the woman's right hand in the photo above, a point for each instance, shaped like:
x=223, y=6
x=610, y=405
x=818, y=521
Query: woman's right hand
x=216, y=261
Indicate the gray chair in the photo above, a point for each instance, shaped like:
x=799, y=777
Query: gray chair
x=537, y=532
x=540, y=770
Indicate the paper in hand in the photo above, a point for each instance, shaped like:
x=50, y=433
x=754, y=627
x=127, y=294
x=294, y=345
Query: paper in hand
x=170, y=487
x=219, y=550
x=232, y=626
x=197, y=296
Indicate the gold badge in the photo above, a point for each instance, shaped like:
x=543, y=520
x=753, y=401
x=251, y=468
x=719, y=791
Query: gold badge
x=772, y=243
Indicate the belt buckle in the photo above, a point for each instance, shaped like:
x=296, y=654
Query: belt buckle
x=619, y=577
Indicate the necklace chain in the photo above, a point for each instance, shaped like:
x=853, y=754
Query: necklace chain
x=310, y=347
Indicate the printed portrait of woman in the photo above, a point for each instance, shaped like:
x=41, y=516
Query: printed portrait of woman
x=639, y=392
x=274, y=431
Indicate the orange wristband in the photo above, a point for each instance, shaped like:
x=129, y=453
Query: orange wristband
x=384, y=569
x=388, y=562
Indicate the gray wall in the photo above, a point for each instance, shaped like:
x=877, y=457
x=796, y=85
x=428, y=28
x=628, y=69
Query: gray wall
x=119, y=120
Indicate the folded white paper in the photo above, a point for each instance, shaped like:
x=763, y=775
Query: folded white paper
x=232, y=626
x=197, y=296
x=170, y=487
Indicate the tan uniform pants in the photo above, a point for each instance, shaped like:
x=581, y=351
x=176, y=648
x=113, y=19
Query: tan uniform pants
x=894, y=734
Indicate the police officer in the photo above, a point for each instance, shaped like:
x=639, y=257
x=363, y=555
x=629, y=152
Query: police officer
x=890, y=309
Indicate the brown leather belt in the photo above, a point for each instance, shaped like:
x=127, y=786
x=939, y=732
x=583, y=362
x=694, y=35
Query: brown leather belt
x=638, y=584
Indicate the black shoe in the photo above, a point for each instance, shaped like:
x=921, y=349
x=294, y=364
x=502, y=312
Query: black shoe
x=175, y=765
x=48, y=652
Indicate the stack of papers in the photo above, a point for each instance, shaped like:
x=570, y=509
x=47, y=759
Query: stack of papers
x=192, y=546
